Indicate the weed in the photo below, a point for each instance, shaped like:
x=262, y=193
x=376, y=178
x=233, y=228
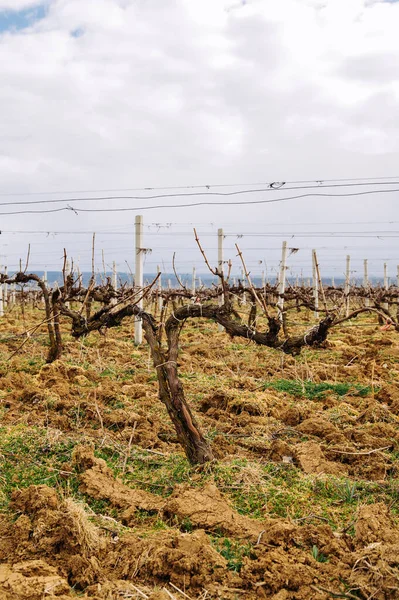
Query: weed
x=349, y=492
x=319, y=556
x=211, y=434
x=109, y=372
x=233, y=551
x=186, y=525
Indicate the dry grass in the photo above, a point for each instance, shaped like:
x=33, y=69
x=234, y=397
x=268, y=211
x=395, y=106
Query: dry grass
x=87, y=535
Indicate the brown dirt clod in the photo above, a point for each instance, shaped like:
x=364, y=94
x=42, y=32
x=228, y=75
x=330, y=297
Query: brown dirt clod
x=208, y=509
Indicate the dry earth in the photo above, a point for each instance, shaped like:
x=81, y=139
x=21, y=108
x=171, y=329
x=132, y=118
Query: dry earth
x=98, y=501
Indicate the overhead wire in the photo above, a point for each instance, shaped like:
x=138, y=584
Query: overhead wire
x=113, y=231
x=382, y=235
x=289, y=235
x=270, y=188
x=192, y=204
x=318, y=181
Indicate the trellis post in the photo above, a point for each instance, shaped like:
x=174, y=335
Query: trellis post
x=315, y=284
x=386, y=284
x=45, y=283
x=281, y=281
x=5, y=299
x=244, y=296
x=397, y=285
x=347, y=283
x=366, y=280
x=114, y=276
x=1, y=301
x=138, y=276
x=220, y=268
x=160, y=303
x=193, y=281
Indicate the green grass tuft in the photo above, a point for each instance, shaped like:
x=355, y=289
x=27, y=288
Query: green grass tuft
x=314, y=391
x=319, y=556
x=233, y=551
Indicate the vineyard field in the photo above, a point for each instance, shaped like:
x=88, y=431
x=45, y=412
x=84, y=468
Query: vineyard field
x=98, y=499
x=199, y=300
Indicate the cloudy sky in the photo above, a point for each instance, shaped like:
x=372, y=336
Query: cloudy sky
x=129, y=94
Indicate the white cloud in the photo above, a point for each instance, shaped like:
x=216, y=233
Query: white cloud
x=195, y=91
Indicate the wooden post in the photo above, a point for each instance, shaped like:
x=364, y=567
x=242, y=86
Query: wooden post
x=347, y=283
x=160, y=302
x=114, y=276
x=220, y=268
x=138, y=276
x=13, y=293
x=220, y=250
x=114, y=281
x=320, y=287
x=193, y=282
x=1, y=302
x=366, y=280
x=244, y=296
x=5, y=292
x=315, y=284
x=397, y=285
x=281, y=284
x=45, y=283
x=386, y=285
x=264, y=284
x=67, y=272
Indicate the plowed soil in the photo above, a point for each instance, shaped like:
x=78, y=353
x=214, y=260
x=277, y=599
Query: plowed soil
x=98, y=500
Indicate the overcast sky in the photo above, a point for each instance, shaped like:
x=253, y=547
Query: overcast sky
x=113, y=94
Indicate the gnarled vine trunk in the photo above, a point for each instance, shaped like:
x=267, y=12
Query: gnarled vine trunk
x=171, y=393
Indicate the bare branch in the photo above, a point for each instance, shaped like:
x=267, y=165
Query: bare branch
x=213, y=271
x=261, y=300
x=27, y=259
x=176, y=275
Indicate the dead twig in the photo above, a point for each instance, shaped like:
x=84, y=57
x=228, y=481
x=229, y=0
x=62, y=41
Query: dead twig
x=28, y=332
x=316, y=264
x=322, y=590
x=142, y=594
x=179, y=590
x=129, y=448
x=360, y=453
x=309, y=517
x=260, y=537
x=260, y=301
x=179, y=281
